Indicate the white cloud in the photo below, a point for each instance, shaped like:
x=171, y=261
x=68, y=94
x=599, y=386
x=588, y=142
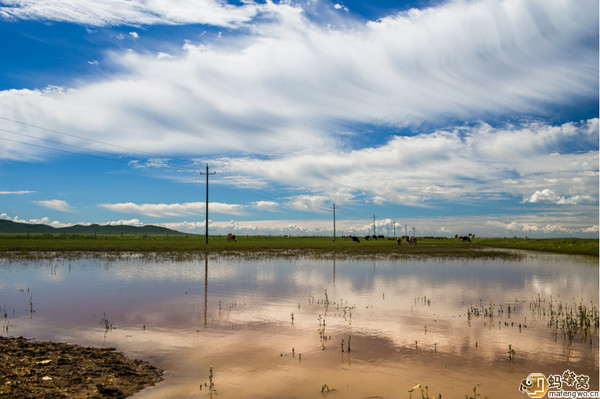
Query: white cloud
x=132, y=12
x=163, y=56
x=125, y=222
x=338, y=6
x=150, y=163
x=265, y=205
x=550, y=197
x=288, y=83
x=134, y=35
x=57, y=205
x=19, y=192
x=532, y=225
x=459, y=165
x=483, y=226
x=309, y=203
x=44, y=220
x=169, y=210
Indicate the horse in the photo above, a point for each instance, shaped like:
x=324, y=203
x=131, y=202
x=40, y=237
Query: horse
x=231, y=237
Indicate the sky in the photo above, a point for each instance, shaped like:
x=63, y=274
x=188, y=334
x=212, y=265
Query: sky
x=424, y=117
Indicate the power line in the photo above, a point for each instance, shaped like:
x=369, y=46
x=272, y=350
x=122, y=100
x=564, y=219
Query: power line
x=55, y=141
x=85, y=152
x=61, y=150
x=135, y=150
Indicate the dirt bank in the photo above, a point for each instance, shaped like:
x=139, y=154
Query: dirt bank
x=32, y=369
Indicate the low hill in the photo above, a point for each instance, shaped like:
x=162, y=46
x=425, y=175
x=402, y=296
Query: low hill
x=10, y=227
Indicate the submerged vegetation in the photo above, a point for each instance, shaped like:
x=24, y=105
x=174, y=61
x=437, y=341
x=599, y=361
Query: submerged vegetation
x=47, y=244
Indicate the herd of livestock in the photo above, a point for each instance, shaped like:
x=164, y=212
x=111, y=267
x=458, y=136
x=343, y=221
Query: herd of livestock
x=409, y=239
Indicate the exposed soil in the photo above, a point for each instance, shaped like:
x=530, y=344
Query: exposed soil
x=33, y=369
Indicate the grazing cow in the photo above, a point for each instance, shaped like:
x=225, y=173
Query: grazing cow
x=231, y=237
x=464, y=238
x=411, y=240
x=355, y=239
x=381, y=237
x=367, y=238
x=374, y=237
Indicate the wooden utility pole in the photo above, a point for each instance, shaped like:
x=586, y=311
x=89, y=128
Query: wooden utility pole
x=334, y=208
x=374, y=232
x=206, y=222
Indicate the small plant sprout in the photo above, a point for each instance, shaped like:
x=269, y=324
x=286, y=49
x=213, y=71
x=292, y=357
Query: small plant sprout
x=410, y=391
x=325, y=390
x=293, y=352
x=210, y=379
x=475, y=394
x=349, y=340
x=511, y=353
x=424, y=392
x=342, y=345
x=292, y=318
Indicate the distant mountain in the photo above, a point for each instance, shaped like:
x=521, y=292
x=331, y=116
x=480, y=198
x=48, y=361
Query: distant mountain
x=7, y=226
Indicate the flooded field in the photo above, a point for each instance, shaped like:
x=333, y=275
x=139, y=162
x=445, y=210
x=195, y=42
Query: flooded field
x=314, y=328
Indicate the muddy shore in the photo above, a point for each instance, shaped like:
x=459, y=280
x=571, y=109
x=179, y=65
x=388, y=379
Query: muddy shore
x=35, y=369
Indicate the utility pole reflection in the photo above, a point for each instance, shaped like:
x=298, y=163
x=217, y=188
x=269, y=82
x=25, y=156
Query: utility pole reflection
x=205, y=287
x=334, y=269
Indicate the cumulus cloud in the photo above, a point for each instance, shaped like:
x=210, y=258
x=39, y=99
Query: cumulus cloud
x=44, y=220
x=550, y=197
x=482, y=226
x=134, y=35
x=125, y=222
x=164, y=210
x=57, y=205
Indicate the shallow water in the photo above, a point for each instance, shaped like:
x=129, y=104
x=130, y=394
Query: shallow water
x=407, y=321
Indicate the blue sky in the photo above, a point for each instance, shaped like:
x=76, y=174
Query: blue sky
x=447, y=116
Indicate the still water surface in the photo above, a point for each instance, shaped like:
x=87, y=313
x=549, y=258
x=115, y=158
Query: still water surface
x=276, y=327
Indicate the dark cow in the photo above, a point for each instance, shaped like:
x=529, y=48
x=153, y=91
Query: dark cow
x=411, y=240
x=231, y=237
x=355, y=239
x=465, y=238
x=367, y=238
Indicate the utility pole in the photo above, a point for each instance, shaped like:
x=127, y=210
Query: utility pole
x=206, y=222
x=394, y=229
x=405, y=233
x=374, y=232
x=414, y=232
x=334, y=208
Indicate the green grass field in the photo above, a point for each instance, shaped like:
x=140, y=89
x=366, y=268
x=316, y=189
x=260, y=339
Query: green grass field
x=277, y=245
